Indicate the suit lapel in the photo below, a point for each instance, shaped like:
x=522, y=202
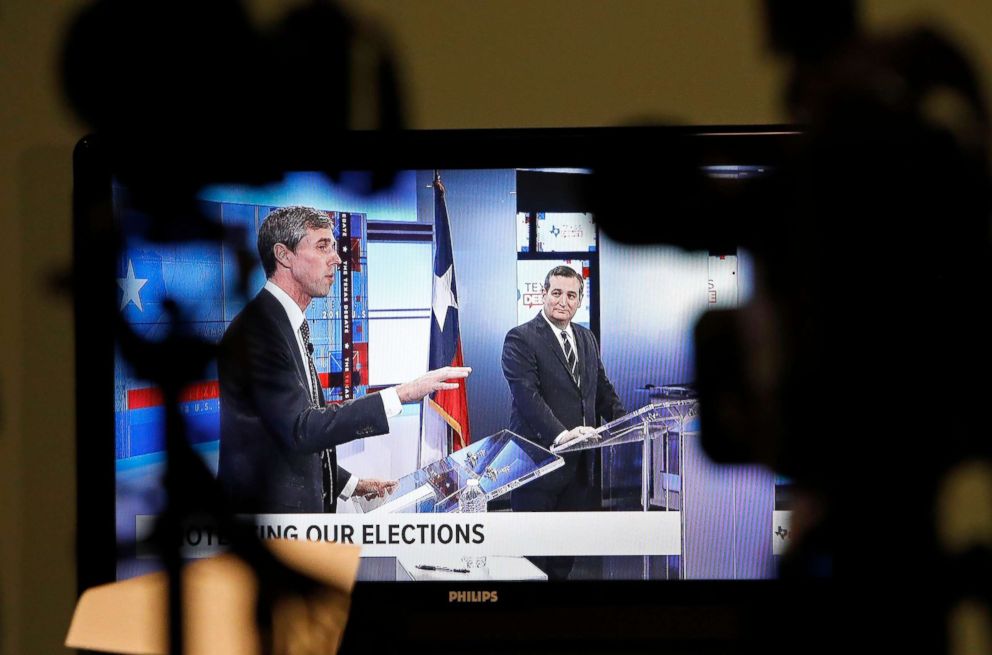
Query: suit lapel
x=582, y=351
x=550, y=340
x=278, y=315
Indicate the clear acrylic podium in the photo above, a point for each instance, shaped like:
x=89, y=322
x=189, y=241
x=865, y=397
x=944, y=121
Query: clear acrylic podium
x=501, y=462
x=669, y=412
x=653, y=460
x=660, y=429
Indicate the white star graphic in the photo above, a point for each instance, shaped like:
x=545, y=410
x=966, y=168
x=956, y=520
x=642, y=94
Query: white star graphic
x=131, y=287
x=443, y=297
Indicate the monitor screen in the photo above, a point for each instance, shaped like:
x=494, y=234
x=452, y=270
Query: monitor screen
x=650, y=508
x=573, y=455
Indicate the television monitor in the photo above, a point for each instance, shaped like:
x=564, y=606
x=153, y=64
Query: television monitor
x=670, y=538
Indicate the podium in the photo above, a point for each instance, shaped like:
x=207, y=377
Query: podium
x=669, y=412
x=659, y=428
x=501, y=462
x=725, y=512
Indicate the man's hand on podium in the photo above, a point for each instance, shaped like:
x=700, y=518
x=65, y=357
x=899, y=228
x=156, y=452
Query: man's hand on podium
x=370, y=488
x=574, y=436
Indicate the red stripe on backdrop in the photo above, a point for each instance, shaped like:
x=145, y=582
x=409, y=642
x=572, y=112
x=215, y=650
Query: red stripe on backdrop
x=152, y=396
x=146, y=397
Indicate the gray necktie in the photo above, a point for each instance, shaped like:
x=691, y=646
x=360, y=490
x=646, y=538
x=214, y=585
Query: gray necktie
x=314, y=379
x=325, y=456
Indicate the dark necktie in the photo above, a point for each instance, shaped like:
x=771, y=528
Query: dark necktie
x=315, y=390
x=314, y=380
x=570, y=357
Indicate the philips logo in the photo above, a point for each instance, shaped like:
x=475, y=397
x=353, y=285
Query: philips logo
x=472, y=597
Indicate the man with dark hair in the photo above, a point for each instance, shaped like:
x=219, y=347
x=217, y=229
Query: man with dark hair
x=277, y=435
x=560, y=393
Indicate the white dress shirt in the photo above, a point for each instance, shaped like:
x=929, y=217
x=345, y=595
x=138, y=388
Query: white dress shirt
x=390, y=399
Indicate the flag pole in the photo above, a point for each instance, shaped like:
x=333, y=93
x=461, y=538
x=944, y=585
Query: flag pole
x=425, y=401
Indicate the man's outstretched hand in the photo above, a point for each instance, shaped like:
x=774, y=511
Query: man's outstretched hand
x=436, y=380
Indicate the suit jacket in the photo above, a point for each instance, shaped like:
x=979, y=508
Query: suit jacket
x=271, y=437
x=546, y=400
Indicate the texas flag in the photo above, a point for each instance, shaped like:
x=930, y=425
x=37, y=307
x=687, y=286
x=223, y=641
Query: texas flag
x=451, y=406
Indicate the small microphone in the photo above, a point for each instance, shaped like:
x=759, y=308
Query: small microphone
x=310, y=348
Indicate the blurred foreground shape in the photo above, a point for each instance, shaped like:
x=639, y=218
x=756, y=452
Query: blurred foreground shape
x=219, y=607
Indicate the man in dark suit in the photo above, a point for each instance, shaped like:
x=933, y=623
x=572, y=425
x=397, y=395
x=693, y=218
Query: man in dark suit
x=560, y=393
x=277, y=434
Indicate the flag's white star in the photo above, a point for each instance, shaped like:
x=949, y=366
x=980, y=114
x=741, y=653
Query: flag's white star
x=443, y=297
x=131, y=286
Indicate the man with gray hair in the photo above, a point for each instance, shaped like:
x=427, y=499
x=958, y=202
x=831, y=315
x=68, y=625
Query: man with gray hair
x=277, y=434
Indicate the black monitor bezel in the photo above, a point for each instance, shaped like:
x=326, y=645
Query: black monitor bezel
x=618, y=613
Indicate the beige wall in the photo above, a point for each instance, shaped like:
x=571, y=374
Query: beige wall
x=481, y=63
